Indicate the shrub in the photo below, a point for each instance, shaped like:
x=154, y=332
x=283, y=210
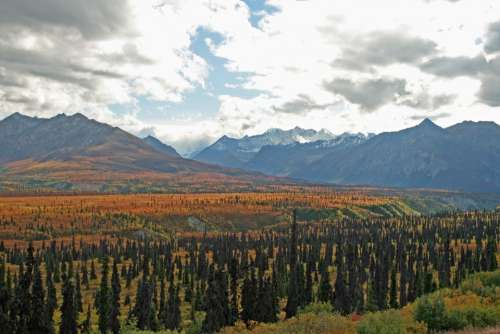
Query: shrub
x=389, y=322
x=317, y=308
x=480, y=317
x=432, y=312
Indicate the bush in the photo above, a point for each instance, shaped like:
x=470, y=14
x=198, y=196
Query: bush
x=389, y=322
x=432, y=313
x=480, y=317
x=317, y=308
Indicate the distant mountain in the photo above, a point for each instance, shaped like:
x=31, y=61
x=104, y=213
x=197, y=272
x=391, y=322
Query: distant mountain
x=285, y=160
x=161, y=147
x=465, y=157
x=75, y=152
x=231, y=152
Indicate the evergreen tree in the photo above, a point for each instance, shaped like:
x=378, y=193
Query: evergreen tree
x=68, y=323
x=103, y=299
x=292, y=303
x=393, y=294
x=173, y=319
x=115, y=301
x=39, y=318
x=325, y=288
x=51, y=297
x=248, y=298
x=340, y=298
x=216, y=304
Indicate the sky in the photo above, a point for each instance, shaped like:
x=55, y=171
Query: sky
x=190, y=71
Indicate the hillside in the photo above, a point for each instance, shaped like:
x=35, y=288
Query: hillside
x=76, y=153
x=463, y=157
x=161, y=147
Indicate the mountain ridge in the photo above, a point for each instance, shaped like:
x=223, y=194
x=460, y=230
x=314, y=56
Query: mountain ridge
x=425, y=155
x=74, y=150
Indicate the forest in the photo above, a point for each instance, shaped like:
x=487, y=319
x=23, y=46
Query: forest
x=410, y=274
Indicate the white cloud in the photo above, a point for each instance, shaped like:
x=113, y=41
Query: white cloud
x=69, y=58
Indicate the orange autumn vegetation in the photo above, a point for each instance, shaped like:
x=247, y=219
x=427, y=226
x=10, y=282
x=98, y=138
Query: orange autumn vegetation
x=61, y=216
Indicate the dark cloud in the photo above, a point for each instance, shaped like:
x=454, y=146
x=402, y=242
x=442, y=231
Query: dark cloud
x=490, y=90
x=44, y=65
x=428, y=102
x=493, y=38
x=369, y=94
x=92, y=19
x=63, y=34
x=382, y=49
x=487, y=71
x=452, y=67
x=300, y=105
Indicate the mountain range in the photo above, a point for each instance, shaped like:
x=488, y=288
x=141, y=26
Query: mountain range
x=77, y=153
x=232, y=152
x=464, y=157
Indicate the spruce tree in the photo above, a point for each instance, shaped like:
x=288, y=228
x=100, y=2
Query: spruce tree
x=103, y=299
x=217, y=308
x=39, y=318
x=51, y=297
x=248, y=298
x=340, y=298
x=173, y=319
x=68, y=323
x=393, y=294
x=292, y=303
x=325, y=288
x=115, y=301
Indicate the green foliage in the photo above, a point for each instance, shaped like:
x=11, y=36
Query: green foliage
x=432, y=311
x=484, y=284
x=317, y=308
x=389, y=322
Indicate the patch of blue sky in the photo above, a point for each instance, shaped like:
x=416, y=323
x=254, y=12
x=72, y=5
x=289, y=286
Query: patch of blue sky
x=258, y=8
x=201, y=102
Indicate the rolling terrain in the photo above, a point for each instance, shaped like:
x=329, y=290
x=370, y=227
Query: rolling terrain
x=74, y=153
x=463, y=157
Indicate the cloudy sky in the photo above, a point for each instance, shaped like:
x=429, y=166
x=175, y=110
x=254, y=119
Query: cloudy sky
x=188, y=71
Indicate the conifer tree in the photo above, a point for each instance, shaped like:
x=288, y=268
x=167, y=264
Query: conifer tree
x=51, y=297
x=292, y=303
x=173, y=319
x=103, y=299
x=325, y=288
x=216, y=303
x=248, y=298
x=115, y=301
x=68, y=323
x=39, y=318
x=340, y=298
x=393, y=294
